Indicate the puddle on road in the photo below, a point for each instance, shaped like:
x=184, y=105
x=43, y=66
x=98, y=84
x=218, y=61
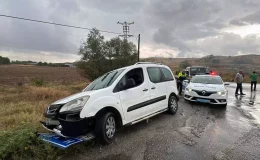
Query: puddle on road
x=248, y=105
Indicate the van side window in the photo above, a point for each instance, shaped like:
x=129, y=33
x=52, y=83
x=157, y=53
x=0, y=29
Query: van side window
x=136, y=75
x=155, y=74
x=167, y=74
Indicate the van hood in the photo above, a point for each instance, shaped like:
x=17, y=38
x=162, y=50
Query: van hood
x=74, y=96
x=207, y=87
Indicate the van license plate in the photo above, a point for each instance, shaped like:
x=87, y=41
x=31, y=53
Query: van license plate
x=203, y=100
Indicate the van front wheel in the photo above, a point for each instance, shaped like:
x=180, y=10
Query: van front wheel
x=172, y=104
x=106, y=128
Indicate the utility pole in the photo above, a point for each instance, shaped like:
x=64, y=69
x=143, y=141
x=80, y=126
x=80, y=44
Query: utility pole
x=125, y=29
x=138, y=49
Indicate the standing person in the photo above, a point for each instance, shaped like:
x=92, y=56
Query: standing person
x=239, y=80
x=181, y=77
x=253, y=77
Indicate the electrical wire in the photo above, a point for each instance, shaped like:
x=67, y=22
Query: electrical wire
x=57, y=24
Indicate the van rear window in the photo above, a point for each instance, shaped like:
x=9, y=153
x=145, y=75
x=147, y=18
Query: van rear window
x=198, y=70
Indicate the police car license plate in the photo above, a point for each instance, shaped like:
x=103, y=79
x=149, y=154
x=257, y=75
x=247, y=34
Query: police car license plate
x=203, y=100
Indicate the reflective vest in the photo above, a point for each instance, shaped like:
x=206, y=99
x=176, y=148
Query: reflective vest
x=181, y=75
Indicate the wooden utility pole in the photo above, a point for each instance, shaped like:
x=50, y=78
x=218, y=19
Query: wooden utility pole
x=138, y=49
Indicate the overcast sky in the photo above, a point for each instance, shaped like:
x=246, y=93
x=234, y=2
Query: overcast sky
x=169, y=28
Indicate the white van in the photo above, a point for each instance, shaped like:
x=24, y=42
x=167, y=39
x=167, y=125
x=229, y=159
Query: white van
x=120, y=97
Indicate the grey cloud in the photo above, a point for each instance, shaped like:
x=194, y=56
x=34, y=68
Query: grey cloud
x=216, y=24
x=116, y=6
x=182, y=25
x=253, y=18
x=181, y=12
x=34, y=36
x=229, y=44
x=165, y=36
x=180, y=21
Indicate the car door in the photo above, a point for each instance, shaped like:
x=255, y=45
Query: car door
x=158, y=88
x=133, y=100
x=170, y=82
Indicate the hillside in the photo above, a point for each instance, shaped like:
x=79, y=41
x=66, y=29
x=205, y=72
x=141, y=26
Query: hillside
x=247, y=63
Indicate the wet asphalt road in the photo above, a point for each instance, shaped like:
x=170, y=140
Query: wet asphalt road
x=197, y=131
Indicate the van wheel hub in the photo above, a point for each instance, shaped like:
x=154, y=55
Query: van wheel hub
x=110, y=127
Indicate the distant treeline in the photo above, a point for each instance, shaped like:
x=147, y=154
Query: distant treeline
x=4, y=60
x=37, y=63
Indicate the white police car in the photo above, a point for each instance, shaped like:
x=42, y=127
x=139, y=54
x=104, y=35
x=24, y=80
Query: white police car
x=207, y=89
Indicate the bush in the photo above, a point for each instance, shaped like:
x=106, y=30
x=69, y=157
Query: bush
x=22, y=143
x=184, y=64
x=38, y=81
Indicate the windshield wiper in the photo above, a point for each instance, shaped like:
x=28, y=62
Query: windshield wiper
x=105, y=77
x=111, y=79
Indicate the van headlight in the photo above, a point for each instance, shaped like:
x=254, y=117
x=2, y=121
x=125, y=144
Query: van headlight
x=224, y=92
x=75, y=105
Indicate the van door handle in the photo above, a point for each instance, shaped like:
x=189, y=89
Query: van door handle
x=145, y=90
x=153, y=87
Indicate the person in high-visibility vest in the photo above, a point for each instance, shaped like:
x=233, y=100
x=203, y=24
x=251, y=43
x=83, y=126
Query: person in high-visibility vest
x=181, y=77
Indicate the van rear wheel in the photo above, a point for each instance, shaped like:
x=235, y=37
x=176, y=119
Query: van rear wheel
x=106, y=128
x=172, y=104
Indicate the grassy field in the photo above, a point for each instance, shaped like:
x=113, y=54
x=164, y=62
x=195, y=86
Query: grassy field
x=22, y=74
x=22, y=103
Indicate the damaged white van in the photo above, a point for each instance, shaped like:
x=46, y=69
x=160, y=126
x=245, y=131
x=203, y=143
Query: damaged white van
x=120, y=97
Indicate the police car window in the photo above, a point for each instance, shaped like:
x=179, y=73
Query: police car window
x=207, y=80
x=155, y=74
x=167, y=74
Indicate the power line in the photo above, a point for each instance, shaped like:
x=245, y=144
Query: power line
x=57, y=24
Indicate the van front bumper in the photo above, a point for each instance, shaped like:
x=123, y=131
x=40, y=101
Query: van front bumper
x=71, y=125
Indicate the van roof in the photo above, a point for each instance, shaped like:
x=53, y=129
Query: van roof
x=143, y=64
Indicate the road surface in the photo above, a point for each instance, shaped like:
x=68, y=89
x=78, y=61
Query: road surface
x=197, y=131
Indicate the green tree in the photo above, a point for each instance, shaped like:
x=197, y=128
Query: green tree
x=4, y=60
x=184, y=64
x=99, y=56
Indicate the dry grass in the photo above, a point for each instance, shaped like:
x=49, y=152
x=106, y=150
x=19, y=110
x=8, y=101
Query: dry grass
x=22, y=74
x=27, y=103
x=22, y=104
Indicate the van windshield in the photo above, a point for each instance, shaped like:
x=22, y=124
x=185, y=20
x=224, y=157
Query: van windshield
x=198, y=71
x=104, y=81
